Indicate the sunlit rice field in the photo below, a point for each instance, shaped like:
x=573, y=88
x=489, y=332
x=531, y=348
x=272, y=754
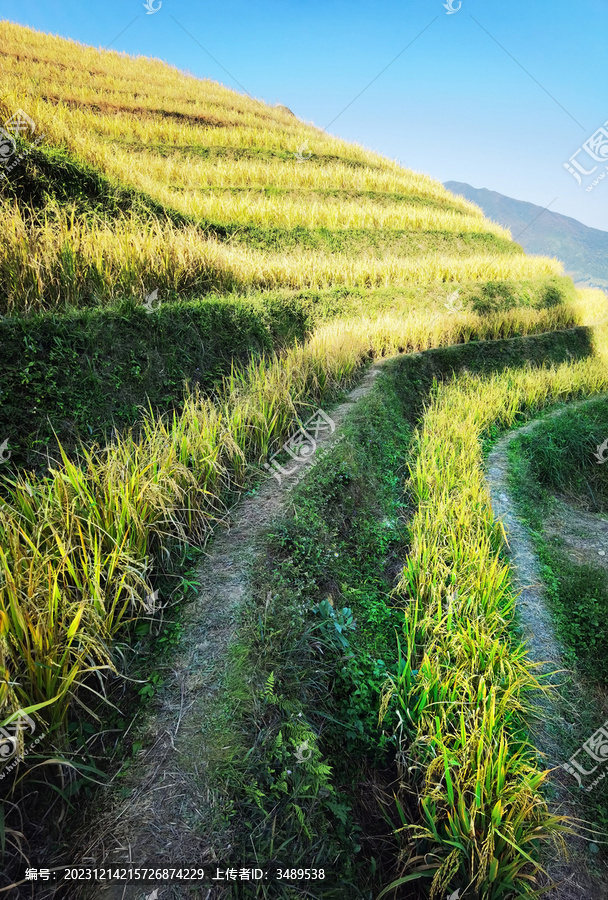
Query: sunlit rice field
x=149, y=179
x=123, y=258
x=466, y=687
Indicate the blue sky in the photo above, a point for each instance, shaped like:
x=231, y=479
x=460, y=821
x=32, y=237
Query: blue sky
x=499, y=95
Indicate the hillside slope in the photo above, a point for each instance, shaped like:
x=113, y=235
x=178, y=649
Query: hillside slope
x=212, y=194
x=141, y=186
x=171, y=246
x=583, y=250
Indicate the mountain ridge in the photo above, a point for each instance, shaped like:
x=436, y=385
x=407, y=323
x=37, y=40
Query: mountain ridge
x=582, y=249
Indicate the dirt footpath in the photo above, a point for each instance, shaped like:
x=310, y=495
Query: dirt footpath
x=571, y=871
x=164, y=821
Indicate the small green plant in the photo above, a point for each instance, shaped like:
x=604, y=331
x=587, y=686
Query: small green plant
x=335, y=624
x=150, y=688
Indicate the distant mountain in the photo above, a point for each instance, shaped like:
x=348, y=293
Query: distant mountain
x=583, y=250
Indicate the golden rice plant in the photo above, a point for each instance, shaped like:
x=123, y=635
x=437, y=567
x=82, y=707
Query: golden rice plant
x=74, y=565
x=465, y=686
x=90, y=97
x=62, y=260
x=311, y=210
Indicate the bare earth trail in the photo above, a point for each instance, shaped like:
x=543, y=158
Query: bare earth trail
x=575, y=881
x=161, y=823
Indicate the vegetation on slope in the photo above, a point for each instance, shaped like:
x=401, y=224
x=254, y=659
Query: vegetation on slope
x=149, y=180
x=459, y=684
x=465, y=686
x=220, y=201
x=557, y=477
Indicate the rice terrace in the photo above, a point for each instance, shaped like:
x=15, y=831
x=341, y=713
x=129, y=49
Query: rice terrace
x=303, y=495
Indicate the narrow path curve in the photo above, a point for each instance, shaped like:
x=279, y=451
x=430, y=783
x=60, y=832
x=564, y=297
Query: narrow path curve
x=574, y=880
x=162, y=822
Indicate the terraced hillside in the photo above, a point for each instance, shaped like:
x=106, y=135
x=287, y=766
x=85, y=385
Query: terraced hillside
x=212, y=196
x=171, y=246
